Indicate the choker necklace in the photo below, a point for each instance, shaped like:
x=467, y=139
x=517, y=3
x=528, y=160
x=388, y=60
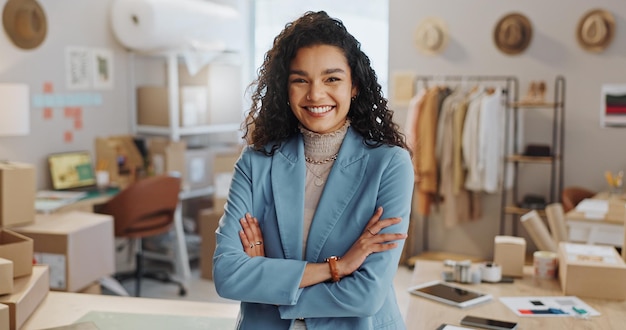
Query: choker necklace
x=318, y=181
x=320, y=162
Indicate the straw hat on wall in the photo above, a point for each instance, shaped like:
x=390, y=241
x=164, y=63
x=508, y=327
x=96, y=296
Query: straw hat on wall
x=431, y=36
x=596, y=30
x=513, y=33
x=25, y=23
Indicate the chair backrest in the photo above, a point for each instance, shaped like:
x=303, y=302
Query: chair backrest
x=145, y=208
x=571, y=196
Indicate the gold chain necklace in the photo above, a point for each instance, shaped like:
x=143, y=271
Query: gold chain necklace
x=318, y=181
x=320, y=162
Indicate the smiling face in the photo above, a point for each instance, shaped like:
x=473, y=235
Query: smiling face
x=320, y=88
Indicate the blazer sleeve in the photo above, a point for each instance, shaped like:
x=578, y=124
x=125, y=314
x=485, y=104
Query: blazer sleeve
x=238, y=276
x=364, y=292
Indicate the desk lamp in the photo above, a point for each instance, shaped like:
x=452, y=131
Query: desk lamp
x=14, y=109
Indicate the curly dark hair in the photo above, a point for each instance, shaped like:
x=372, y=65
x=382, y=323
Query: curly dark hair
x=270, y=120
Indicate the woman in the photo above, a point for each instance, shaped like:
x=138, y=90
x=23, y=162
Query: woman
x=302, y=244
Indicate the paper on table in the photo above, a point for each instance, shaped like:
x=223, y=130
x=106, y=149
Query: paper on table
x=593, y=208
x=569, y=305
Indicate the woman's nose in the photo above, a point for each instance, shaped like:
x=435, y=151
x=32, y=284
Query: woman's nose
x=316, y=91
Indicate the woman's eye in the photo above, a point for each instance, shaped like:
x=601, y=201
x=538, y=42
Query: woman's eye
x=298, y=80
x=333, y=79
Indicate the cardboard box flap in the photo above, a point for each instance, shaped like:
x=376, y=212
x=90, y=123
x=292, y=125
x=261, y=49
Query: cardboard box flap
x=19, y=249
x=592, y=255
x=9, y=237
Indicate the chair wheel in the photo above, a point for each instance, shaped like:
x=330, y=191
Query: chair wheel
x=182, y=292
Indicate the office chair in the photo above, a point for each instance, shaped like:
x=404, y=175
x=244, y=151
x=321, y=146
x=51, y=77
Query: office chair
x=571, y=196
x=145, y=208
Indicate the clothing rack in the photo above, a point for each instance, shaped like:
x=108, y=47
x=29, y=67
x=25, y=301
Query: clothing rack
x=511, y=92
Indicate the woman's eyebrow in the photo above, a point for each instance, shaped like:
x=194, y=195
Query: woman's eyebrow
x=337, y=70
x=327, y=71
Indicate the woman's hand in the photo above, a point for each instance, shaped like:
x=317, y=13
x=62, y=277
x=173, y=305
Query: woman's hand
x=251, y=236
x=370, y=241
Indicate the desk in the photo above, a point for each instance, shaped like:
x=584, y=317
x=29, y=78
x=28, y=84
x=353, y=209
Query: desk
x=426, y=314
x=180, y=258
x=609, y=230
x=63, y=308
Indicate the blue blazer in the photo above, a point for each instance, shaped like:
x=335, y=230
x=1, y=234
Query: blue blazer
x=272, y=189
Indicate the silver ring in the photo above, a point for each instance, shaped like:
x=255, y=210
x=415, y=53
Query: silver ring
x=258, y=243
x=251, y=245
x=369, y=231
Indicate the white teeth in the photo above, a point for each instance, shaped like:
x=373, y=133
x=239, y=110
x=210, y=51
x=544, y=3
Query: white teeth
x=319, y=109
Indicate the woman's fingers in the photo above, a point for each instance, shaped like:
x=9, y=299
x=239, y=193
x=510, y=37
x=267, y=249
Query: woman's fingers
x=251, y=236
x=373, y=220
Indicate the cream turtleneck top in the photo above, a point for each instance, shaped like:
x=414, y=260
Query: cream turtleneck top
x=320, y=151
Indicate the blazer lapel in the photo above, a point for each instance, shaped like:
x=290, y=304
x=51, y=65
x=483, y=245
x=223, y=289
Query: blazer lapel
x=343, y=180
x=287, y=177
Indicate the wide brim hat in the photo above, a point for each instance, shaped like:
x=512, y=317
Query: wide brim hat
x=25, y=23
x=596, y=30
x=513, y=33
x=431, y=35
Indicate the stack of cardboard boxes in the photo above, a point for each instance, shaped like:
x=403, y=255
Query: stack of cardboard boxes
x=22, y=285
x=38, y=252
x=223, y=168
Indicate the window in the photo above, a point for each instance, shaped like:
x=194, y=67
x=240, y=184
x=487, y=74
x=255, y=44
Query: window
x=367, y=21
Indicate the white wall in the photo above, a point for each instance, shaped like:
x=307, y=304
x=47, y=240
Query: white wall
x=82, y=23
x=589, y=149
x=46, y=64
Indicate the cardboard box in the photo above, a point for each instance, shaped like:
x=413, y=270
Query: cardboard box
x=167, y=156
x=595, y=271
x=120, y=157
x=5, y=317
x=6, y=276
x=153, y=106
x=17, y=194
x=223, y=170
x=225, y=91
x=78, y=247
x=510, y=253
x=198, y=164
x=28, y=293
x=19, y=249
x=209, y=220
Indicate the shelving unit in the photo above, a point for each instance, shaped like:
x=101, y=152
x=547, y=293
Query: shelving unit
x=511, y=199
x=174, y=132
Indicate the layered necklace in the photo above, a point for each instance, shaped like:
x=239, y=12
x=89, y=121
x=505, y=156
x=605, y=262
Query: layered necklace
x=325, y=165
x=317, y=146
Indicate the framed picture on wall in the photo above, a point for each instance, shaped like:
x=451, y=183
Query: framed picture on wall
x=102, y=68
x=613, y=105
x=77, y=67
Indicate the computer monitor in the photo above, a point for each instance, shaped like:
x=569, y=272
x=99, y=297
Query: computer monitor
x=69, y=170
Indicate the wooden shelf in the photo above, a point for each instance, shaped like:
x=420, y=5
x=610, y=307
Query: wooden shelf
x=554, y=109
x=531, y=159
